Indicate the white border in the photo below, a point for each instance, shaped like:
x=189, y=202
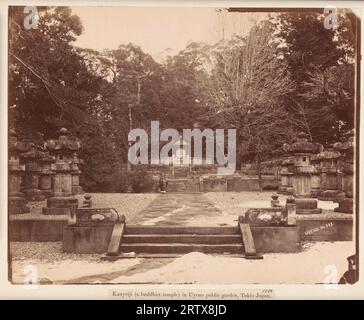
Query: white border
x=9, y=291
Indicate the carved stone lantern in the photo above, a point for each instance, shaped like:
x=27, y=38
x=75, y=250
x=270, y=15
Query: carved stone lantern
x=63, y=149
x=16, y=199
x=286, y=177
x=346, y=173
x=329, y=176
x=301, y=151
x=33, y=170
x=46, y=174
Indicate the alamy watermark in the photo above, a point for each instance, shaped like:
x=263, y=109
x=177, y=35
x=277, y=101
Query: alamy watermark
x=180, y=147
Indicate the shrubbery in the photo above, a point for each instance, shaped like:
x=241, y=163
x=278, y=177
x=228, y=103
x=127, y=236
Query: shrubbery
x=124, y=181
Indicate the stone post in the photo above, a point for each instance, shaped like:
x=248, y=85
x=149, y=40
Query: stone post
x=87, y=203
x=346, y=173
x=291, y=210
x=62, y=149
x=32, y=173
x=17, y=202
x=275, y=201
x=302, y=170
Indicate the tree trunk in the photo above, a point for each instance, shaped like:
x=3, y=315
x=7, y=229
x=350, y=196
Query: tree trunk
x=128, y=164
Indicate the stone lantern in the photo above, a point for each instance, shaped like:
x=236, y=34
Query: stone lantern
x=302, y=170
x=16, y=199
x=31, y=159
x=63, y=150
x=346, y=173
x=286, y=177
x=46, y=174
x=316, y=176
x=329, y=179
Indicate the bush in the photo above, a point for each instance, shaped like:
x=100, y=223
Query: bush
x=136, y=181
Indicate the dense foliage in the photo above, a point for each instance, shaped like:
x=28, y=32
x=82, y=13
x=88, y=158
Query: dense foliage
x=288, y=74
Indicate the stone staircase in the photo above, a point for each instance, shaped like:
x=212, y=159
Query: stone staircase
x=167, y=242
x=181, y=240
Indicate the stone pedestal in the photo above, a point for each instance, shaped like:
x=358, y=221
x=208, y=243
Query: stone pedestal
x=307, y=206
x=87, y=203
x=275, y=201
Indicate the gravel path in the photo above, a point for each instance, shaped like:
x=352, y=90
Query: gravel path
x=236, y=203
x=128, y=204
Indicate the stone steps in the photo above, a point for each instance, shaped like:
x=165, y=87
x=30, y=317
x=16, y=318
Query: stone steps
x=181, y=248
x=137, y=229
x=182, y=238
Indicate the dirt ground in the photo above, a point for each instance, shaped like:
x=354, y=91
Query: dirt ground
x=309, y=266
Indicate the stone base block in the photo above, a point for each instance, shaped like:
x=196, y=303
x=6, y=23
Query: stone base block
x=316, y=193
x=309, y=211
x=306, y=203
x=47, y=193
x=345, y=205
x=62, y=202
x=325, y=229
x=56, y=211
x=33, y=229
x=34, y=195
x=77, y=239
x=77, y=190
x=276, y=239
x=286, y=191
x=17, y=205
x=307, y=206
x=329, y=195
x=282, y=190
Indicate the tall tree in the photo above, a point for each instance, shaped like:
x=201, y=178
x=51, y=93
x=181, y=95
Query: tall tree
x=49, y=84
x=246, y=89
x=321, y=63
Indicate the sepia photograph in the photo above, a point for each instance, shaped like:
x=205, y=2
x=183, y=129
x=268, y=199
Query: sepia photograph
x=183, y=145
